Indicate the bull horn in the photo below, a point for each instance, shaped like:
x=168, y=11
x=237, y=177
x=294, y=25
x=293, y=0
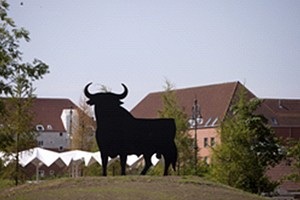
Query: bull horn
x=124, y=94
x=86, y=91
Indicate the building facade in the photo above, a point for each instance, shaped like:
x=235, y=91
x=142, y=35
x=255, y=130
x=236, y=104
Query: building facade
x=53, y=120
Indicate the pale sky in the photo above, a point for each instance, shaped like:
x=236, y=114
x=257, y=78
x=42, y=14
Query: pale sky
x=141, y=43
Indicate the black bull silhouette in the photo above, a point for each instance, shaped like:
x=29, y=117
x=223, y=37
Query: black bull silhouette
x=119, y=133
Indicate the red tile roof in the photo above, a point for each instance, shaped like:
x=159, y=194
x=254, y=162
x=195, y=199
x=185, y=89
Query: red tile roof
x=214, y=101
x=280, y=173
x=285, y=112
x=48, y=111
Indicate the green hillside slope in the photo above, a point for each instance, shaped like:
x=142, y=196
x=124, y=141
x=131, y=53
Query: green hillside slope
x=127, y=187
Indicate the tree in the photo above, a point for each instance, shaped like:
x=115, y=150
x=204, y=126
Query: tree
x=171, y=109
x=17, y=128
x=16, y=82
x=84, y=128
x=11, y=56
x=248, y=147
x=293, y=155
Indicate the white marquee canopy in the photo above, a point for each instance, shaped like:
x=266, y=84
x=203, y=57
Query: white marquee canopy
x=39, y=156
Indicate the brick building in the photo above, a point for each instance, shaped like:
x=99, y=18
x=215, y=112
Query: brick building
x=215, y=101
x=53, y=120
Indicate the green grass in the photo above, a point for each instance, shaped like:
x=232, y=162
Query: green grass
x=126, y=187
x=6, y=183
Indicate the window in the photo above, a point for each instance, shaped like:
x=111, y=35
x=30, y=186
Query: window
x=51, y=172
x=49, y=127
x=205, y=142
x=40, y=127
x=214, y=122
x=41, y=173
x=40, y=143
x=212, y=141
x=61, y=148
x=60, y=134
x=208, y=121
x=274, y=121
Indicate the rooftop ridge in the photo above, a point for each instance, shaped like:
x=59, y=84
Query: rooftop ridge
x=210, y=85
x=284, y=99
x=197, y=87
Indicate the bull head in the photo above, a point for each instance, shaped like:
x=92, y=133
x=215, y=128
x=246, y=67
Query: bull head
x=101, y=96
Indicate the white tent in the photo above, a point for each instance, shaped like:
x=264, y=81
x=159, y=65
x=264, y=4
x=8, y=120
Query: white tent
x=47, y=157
x=96, y=158
x=132, y=159
x=38, y=157
x=6, y=158
x=76, y=155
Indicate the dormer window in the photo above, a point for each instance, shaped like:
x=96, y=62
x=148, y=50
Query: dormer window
x=208, y=121
x=40, y=127
x=274, y=121
x=49, y=127
x=214, y=122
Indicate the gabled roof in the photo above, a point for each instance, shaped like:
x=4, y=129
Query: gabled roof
x=48, y=111
x=214, y=101
x=284, y=112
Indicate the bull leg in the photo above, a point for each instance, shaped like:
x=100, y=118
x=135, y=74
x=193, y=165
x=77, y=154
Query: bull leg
x=167, y=164
x=148, y=163
x=123, y=159
x=166, y=168
x=104, y=158
x=170, y=158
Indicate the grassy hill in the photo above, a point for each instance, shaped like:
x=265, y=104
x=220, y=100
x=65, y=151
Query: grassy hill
x=126, y=187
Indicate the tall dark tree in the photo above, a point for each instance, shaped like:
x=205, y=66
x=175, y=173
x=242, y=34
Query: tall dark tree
x=248, y=147
x=171, y=109
x=16, y=82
